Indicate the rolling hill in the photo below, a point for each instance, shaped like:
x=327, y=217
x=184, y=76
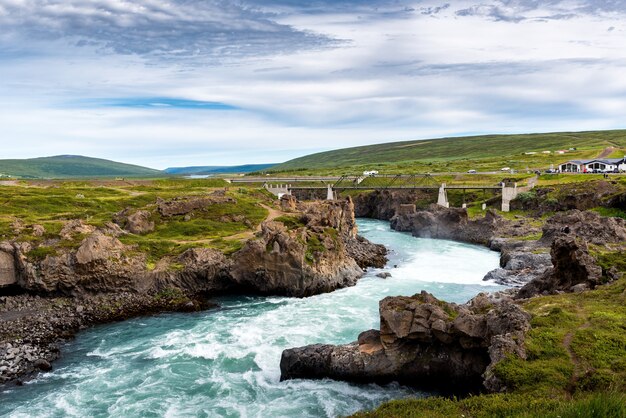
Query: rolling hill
x=72, y=166
x=461, y=148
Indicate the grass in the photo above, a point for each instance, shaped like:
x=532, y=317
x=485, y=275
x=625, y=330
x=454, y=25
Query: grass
x=486, y=153
x=52, y=203
x=593, y=405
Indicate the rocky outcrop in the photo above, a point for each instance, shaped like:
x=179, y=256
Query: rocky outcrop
x=520, y=262
x=574, y=270
x=135, y=222
x=586, y=225
x=365, y=253
x=448, y=223
x=384, y=204
x=307, y=260
x=8, y=275
x=185, y=205
x=579, y=196
x=422, y=342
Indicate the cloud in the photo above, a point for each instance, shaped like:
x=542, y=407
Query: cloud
x=152, y=103
x=177, y=29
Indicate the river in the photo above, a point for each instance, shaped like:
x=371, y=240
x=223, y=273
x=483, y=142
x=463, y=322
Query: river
x=225, y=362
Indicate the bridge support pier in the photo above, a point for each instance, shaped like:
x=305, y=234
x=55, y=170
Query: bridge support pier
x=330, y=194
x=442, y=200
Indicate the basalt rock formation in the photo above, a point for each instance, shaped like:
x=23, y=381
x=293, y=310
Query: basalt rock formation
x=586, y=225
x=384, y=204
x=422, y=342
x=447, y=223
x=574, y=270
x=308, y=260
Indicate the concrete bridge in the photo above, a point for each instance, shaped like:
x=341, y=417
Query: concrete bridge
x=386, y=182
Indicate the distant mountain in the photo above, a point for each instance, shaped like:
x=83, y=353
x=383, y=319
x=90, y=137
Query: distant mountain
x=72, y=166
x=200, y=170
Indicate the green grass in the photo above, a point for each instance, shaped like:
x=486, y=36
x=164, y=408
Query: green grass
x=593, y=405
x=52, y=203
x=290, y=222
x=72, y=167
x=482, y=153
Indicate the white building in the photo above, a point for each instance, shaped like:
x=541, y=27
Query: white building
x=598, y=165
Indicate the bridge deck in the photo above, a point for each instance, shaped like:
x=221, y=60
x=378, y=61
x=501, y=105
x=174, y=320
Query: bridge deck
x=340, y=187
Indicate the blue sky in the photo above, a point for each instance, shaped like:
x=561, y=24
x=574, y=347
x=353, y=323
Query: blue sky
x=215, y=82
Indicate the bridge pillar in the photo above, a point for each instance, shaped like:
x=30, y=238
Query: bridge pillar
x=330, y=195
x=508, y=194
x=442, y=200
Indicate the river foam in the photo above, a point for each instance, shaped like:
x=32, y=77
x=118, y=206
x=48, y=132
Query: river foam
x=225, y=362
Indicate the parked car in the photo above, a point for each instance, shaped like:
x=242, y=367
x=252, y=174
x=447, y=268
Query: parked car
x=551, y=171
x=471, y=171
x=505, y=169
x=370, y=173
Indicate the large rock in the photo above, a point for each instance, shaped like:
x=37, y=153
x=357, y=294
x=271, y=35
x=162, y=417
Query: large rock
x=586, y=225
x=520, y=262
x=186, y=205
x=384, y=204
x=447, y=223
x=422, y=342
x=573, y=269
x=308, y=260
x=135, y=222
x=8, y=275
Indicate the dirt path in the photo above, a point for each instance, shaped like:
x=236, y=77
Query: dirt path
x=578, y=368
x=606, y=152
x=273, y=214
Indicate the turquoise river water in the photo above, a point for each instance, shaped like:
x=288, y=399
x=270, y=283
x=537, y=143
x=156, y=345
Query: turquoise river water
x=225, y=362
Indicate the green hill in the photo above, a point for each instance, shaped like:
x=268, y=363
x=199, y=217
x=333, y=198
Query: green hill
x=72, y=166
x=474, y=148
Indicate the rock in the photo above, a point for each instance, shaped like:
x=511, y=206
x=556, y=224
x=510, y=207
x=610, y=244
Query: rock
x=422, y=342
x=42, y=364
x=8, y=275
x=365, y=253
x=98, y=247
x=185, y=205
x=38, y=230
x=586, y=225
x=385, y=204
x=316, y=258
x=17, y=225
x=572, y=266
x=448, y=223
x=135, y=222
x=384, y=275
x=75, y=227
x=288, y=203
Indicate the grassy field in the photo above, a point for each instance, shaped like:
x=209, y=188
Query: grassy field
x=52, y=203
x=72, y=166
x=481, y=153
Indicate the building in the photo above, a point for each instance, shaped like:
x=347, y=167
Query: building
x=598, y=165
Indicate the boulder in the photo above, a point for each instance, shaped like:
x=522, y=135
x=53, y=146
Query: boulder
x=135, y=222
x=8, y=275
x=572, y=266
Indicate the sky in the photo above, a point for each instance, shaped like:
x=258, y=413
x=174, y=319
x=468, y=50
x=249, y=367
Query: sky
x=214, y=82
